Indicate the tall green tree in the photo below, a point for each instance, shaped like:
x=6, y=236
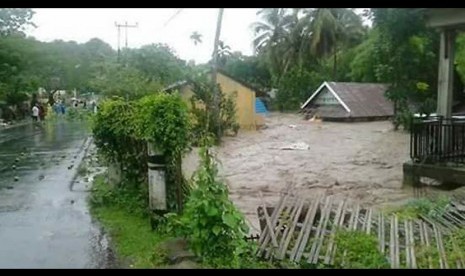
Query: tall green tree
x=13, y=20
x=158, y=62
x=406, y=58
x=271, y=32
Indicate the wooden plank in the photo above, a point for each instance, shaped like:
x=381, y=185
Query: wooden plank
x=285, y=222
x=396, y=242
x=436, y=238
x=442, y=221
x=442, y=251
x=357, y=213
x=351, y=218
x=324, y=213
x=303, y=228
x=381, y=233
x=306, y=235
x=322, y=235
x=412, y=245
x=391, y=243
x=352, y=224
x=287, y=239
x=407, y=245
x=457, y=212
x=341, y=224
x=269, y=223
x=266, y=236
x=289, y=209
x=428, y=243
x=270, y=227
x=453, y=219
x=368, y=221
x=329, y=251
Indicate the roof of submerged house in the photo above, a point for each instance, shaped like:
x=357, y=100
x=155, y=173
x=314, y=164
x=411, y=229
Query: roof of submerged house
x=358, y=99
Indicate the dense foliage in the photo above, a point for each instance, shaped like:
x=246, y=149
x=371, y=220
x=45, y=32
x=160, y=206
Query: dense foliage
x=122, y=130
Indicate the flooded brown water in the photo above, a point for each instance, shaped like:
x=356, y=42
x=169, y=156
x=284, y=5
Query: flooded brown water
x=361, y=161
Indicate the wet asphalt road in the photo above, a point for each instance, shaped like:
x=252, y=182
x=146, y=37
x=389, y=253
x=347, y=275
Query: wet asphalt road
x=44, y=218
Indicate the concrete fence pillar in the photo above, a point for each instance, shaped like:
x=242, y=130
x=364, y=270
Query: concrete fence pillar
x=157, y=180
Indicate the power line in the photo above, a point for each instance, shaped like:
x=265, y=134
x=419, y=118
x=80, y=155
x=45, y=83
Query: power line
x=172, y=17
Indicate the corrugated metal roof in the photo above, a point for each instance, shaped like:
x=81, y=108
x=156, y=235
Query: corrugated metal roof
x=358, y=100
x=364, y=99
x=175, y=85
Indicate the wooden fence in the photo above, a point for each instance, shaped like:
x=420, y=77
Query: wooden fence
x=301, y=229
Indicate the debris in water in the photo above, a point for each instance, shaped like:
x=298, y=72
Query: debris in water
x=70, y=167
x=296, y=146
x=13, y=167
x=41, y=177
x=72, y=201
x=16, y=178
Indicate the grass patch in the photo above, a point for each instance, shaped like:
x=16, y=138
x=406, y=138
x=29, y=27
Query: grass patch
x=358, y=250
x=132, y=236
x=122, y=215
x=423, y=206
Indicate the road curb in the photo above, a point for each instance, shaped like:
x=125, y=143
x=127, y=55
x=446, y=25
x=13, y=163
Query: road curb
x=82, y=154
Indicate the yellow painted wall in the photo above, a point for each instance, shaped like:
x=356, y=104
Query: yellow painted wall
x=244, y=99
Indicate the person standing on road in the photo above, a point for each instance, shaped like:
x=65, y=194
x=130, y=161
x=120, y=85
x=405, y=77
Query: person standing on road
x=42, y=112
x=35, y=113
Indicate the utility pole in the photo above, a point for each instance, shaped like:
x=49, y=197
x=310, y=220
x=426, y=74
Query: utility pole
x=125, y=26
x=216, y=92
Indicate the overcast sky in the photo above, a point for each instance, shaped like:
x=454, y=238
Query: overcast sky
x=154, y=26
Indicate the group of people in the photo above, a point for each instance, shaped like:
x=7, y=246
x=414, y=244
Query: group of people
x=39, y=111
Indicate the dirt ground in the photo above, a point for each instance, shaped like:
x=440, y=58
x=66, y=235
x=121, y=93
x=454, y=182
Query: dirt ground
x=361, y=161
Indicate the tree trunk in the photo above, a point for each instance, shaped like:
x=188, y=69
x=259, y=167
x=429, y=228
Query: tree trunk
x=216, y=105
x=396, y=120
x=335, y=64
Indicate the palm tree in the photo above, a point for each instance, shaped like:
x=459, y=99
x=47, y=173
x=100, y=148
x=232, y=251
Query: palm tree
x=271, y=29
x=271, y=34
x=224, y=52
x=329, y=28
x=196, y=38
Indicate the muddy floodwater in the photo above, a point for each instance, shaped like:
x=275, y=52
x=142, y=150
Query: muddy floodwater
x=361, y=161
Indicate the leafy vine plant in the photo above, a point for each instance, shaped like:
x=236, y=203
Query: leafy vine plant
x=122, y=129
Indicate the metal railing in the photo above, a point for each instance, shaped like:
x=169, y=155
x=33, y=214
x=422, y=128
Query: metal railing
x=438, y=140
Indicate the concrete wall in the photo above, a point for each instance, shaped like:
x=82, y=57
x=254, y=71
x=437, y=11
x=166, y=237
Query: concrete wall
x=244, y=98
